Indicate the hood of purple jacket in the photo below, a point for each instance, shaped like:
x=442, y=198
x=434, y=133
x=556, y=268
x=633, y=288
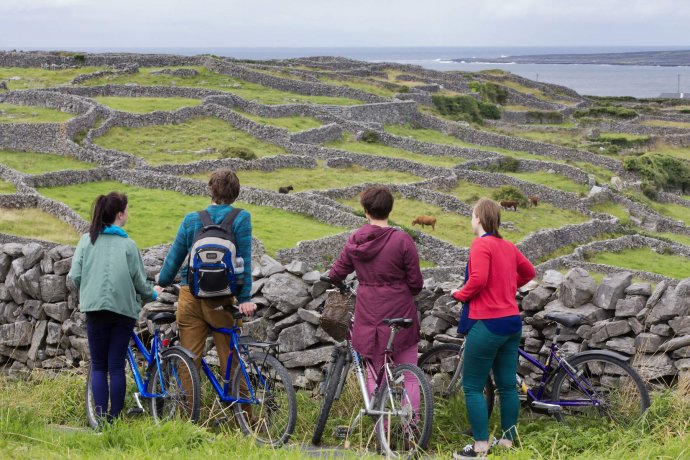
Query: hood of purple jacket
x=368, y=241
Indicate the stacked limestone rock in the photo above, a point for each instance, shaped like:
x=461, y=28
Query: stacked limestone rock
x=652, y=327
x=40, y=324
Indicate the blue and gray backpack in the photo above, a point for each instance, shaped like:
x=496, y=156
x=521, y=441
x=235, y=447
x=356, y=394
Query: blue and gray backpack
x=215, y=267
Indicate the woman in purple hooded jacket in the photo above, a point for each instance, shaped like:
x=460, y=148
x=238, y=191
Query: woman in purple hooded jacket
x=387, y=266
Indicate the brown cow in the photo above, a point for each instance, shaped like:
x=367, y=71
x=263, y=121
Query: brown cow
x=425, y=220
x=285, y=189
x=534, y=200
x=509, y=204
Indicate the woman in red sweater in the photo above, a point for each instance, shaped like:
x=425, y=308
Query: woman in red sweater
x=491, y=321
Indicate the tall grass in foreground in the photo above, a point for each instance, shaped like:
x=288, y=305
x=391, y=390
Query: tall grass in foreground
x=42, y=416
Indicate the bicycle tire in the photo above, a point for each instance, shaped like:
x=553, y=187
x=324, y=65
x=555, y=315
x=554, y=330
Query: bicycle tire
x=431, y=363
x=599, y=376
x=92, y=419
x=179, y=371
x=395, y=442
x=331, y=385
x=247, y=419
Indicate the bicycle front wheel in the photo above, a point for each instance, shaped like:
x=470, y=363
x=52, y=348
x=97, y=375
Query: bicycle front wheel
x=598, y=387
x=271, y=418
x=405, y=429
x=330, y=386
x=179, y=387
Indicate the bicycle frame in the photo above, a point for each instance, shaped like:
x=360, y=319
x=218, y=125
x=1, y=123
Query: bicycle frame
x=150, y=357
x=224, y=390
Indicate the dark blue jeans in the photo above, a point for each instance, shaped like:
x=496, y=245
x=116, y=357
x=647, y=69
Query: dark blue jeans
x=108, y=336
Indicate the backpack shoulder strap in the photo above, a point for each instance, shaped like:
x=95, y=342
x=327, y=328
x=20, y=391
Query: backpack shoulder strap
x=229, y=219
x=205, y=218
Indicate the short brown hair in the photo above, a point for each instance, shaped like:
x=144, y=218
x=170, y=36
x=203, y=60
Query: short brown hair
x=489, y=214
x=377, y=202
x=224, y=186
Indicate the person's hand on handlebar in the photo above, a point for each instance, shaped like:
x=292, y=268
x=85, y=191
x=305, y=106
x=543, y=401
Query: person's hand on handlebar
x=247, y=308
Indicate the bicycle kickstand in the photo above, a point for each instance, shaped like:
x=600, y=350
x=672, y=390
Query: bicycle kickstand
x=139, y=410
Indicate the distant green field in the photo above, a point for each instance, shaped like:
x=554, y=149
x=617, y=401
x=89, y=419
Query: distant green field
x=383, y=150
x=293, y=124
x=666, y=124
x=155, y=215
x=6, y=187
x=211, y=80
x=555, y=181
x=39, y=163
x=31, y=78
x=34, y=223
x=615, y=209
x=146, y=104
x=671, y=210
x=11, y=113
x=176, y=144
x=527, y=220
x=319, y=178
x=361, y=84
x=644, y=259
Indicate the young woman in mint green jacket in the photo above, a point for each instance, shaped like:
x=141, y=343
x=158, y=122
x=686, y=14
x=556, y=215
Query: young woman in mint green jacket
x=109, y=272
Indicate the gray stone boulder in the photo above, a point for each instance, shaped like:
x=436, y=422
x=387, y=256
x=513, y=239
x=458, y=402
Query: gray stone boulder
x=297, y=337
x=639, y=289
x=17, y=334
x=431, y=325
x=5, y=264
x=12, y=285
x=668, y=307
x=611, y=289
x=552, y=278
x=538, y=298
x=636, y=326
x=652, y=367
x=286, y=292
x=54, y=333
x=306, y=358
x=34, y=308
x=630, y=306
x=257, y=328
x=681, y=353
x=5, y=295
x=58, y=311
x=622, y=345
x=270, y=266
x=447, y=309
x=30, y=281
x=310, y=316
x=53, y=288
x=33, y=253
x=665, y=330
x=81, y=345
x=656, y=295
x=288, y=321
x=13, y=250
x=578, y=288
x=297, y=267
x=674, y=344
x=681, y=325
x=61, y=267
x=647, y=342
x=38, y=339
x=311, y=276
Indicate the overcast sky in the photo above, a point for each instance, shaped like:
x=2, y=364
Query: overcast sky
x=50, y=24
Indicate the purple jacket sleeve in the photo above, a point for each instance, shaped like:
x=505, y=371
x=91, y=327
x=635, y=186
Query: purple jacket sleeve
x=342, y=267
x=414, y=280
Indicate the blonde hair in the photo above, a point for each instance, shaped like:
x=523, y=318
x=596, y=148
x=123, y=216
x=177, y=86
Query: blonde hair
x=489, y=214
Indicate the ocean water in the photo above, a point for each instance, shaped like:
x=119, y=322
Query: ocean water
x=597, y=80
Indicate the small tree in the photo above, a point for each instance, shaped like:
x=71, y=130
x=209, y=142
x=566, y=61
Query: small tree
x=243, y=153
x=510, y=193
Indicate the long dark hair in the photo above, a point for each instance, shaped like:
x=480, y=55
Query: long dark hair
x=105, y=210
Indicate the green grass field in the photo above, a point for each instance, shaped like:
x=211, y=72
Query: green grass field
x=7, y=187
x=43, y=417
x=615, y=209
x=525, y=221
x=319, y=178
x=361, y=84
x=11, y=113
x=383, y=150
x=166, y=144
x=293, y=124
x=34, y=223
x=211, y=80
x=146, y=104
x=39, y=163
x=671, y=210
x=678, y=152
x=155, y=215
x=31, y=78
x=666, y=124
x=551, y=180
x=644, y=259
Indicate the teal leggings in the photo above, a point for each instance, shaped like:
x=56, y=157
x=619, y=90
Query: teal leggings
x=485, y=351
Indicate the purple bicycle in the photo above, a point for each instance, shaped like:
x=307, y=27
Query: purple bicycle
x=590, y=385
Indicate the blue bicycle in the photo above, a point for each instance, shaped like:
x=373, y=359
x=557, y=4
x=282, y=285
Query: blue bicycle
x=171, y=384
x=260, y=392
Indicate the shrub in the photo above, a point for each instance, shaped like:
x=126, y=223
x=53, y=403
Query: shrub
x=661, y=170
x=505, y=164
x=649, y=190
x=606, y=111
x=684, y=111
x=510, y=193
x=489, y=92
x=370, y=137
x=243, y=153
x=80, y=59
x=465, y=108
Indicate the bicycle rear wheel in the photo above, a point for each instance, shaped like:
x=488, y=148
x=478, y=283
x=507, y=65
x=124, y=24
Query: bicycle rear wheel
x=406, y=429
x=331, y=382
x=607, y=388
x=180, y=386
x=272, y=418
x=131, y=406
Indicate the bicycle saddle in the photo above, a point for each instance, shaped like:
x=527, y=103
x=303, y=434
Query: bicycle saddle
x=566, y=319
x=401, y=322
x=164, y=317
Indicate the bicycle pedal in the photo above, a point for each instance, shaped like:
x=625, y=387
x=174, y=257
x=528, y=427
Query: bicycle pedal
x=341, y=431
x=135, y=412
x=546, y=408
